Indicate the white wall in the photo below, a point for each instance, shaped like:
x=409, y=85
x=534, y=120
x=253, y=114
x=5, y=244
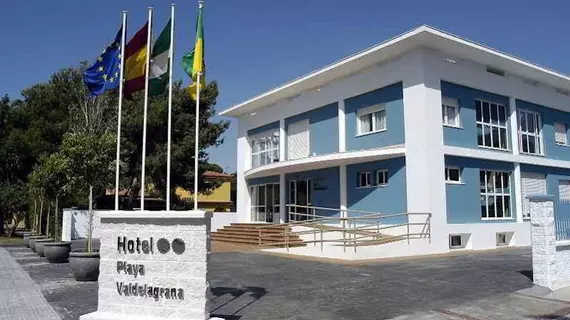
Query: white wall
x=221, y=219
x=75, y=223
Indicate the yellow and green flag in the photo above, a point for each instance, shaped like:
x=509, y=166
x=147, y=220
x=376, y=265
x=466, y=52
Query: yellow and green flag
x=193, y=62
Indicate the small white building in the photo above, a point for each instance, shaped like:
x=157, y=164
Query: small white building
x=426, y=122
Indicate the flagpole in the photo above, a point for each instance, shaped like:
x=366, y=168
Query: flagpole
x=147, y=68
x=171, y=69
x=117, y=167
x=197, y=141
x=197, y=127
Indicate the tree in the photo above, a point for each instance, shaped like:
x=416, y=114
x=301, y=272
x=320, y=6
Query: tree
x=51, y=177
x=182, y=154
x=90, y=164
x=14, y=203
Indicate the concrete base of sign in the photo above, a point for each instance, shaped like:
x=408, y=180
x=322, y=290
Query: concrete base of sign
x=154, y=266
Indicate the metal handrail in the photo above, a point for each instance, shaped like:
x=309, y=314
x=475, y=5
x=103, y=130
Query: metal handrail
x=355, y=230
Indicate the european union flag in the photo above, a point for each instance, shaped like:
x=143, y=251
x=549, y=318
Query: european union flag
x=104, y=75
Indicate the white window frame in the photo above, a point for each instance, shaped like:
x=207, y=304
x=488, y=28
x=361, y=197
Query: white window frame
x=384, y=175
x=461, y=244
x=536, y=135
x=372, y=111
x=490, y=125
x=446, y=104
x=496, y=194
x=447, y=175
x=558, y=125
x=368, y=179
x=271, y=150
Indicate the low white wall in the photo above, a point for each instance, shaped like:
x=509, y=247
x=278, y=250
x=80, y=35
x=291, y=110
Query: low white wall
x=221, y=219
x=75, y=223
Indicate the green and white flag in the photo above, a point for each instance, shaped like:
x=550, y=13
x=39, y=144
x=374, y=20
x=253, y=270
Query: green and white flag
x=159, y=61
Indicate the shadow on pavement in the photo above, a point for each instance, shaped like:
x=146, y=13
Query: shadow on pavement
x=527, y=273
x=227, y=302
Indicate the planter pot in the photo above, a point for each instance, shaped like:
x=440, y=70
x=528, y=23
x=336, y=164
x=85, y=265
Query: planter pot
x=32, y=241
x=40, y=245
x=84, y=265
x=57, y=252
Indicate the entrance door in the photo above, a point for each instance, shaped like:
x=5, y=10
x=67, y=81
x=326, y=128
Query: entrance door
x=531, y=183
x=300, y=194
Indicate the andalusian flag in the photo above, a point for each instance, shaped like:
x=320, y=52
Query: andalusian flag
x=159, y=61
x=136, y=62
x=193, y=62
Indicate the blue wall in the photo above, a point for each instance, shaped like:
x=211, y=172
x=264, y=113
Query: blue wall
x=464, y=200
x=549, y=117
x=326, y=188
x=388, y=199
x=269, y=126
x=263, y=180
x=392, y=97
x=466, y=136
x=553, y=176
x=323, y=128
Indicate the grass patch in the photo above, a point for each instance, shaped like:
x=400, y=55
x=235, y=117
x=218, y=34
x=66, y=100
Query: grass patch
x=14, y=241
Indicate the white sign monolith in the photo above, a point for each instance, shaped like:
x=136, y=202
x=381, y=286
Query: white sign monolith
x=154, y=265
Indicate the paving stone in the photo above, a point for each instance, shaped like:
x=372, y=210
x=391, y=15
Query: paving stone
x=20, y=297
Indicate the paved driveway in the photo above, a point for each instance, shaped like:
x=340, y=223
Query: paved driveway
x=258, y=286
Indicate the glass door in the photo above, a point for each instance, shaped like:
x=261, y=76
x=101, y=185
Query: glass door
x=264, y=202
x=300, y=194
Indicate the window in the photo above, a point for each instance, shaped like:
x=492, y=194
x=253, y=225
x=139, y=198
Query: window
x=564, y=190
x=491, y=125
x=264, y=148
x=495, y=194
x=502, y=239
x=455, y=241
x=452, y=175
x=382, y=177
x=560, y=134
x=364, y=180
x=450, y=112
x=530, y=138
x=371, y=119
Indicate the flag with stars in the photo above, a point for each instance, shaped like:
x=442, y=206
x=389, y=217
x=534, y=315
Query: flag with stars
x=103, y=75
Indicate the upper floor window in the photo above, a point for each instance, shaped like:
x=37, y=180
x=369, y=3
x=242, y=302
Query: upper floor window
x=495, y=194
x=371, y=119
x=491, y=125
x=452, y=175
x=264, y=148
x=450, y=112
x=382, y=177
x=530, y=133
x=560, y=134
x=364, y=180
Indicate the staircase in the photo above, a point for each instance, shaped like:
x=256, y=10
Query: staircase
x=248, y=233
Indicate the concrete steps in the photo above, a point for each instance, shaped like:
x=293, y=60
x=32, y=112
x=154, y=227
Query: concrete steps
x=249, y=233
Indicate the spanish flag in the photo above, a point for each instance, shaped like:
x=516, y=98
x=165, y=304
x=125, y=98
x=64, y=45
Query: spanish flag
x=135, y=62
x=193, y=62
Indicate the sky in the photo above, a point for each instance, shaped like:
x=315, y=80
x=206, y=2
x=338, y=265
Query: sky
x=255, y=45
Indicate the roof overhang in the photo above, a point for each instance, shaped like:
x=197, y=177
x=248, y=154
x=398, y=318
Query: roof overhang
x=423, y=36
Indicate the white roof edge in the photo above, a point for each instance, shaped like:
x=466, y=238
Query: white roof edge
x=234, y=110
